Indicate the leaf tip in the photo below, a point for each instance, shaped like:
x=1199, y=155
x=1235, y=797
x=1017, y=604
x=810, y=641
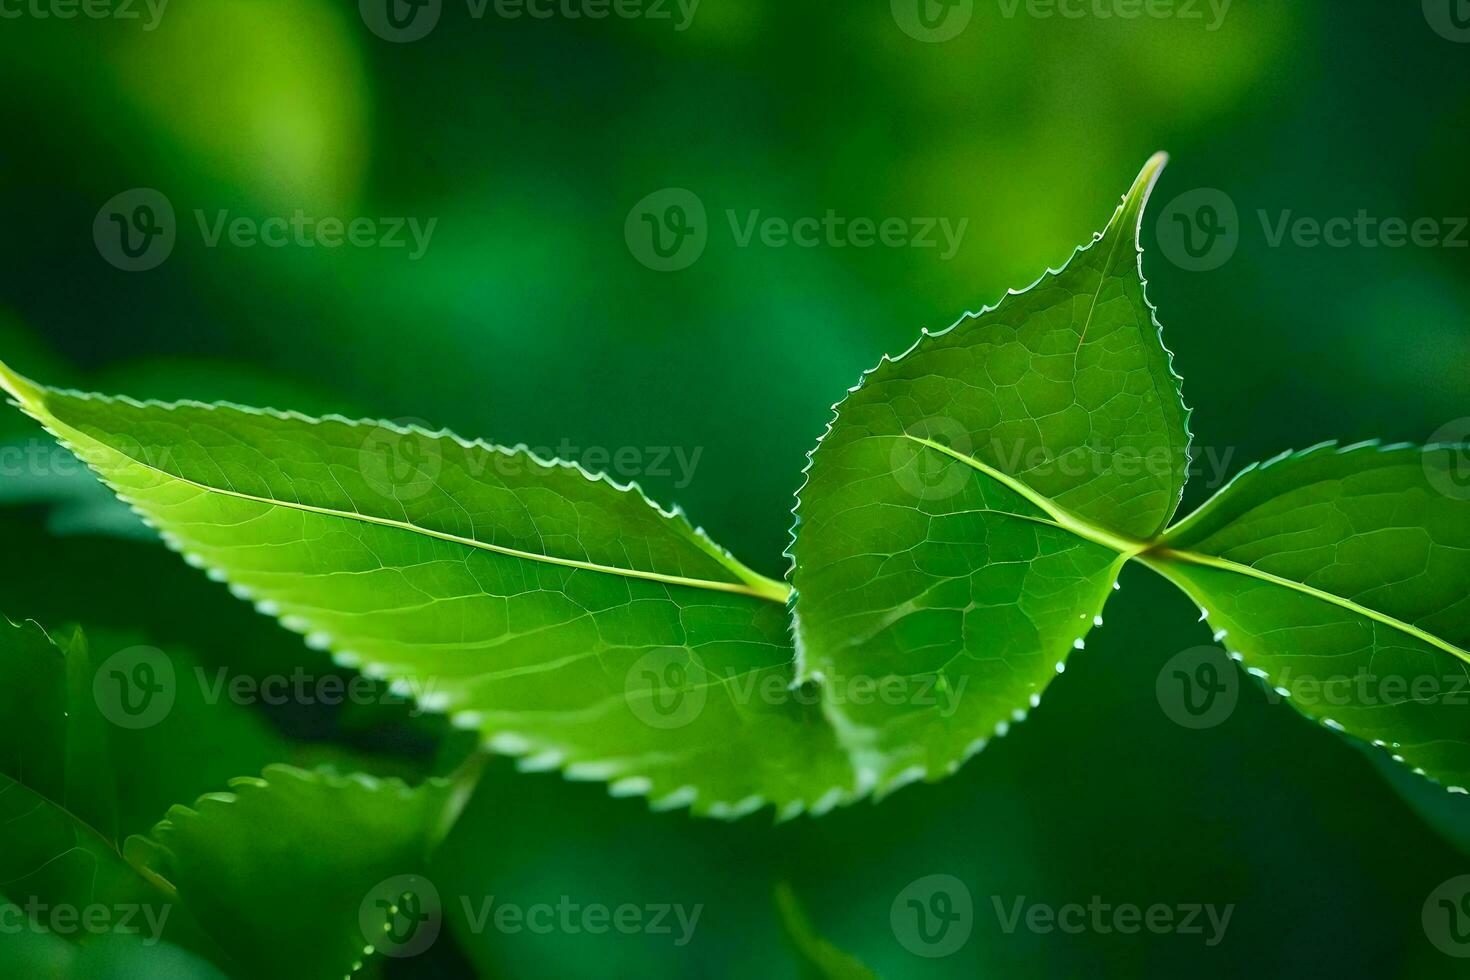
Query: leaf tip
x=25, y=391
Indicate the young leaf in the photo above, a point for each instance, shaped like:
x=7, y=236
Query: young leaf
x=969, y=507
x=568, y=619
x=296, y=873
x=1341, y=577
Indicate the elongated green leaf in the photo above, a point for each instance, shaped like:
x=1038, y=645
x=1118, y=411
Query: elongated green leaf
x=968, y=509
x=1341, y=577
x=297, y=874
x=566, y=618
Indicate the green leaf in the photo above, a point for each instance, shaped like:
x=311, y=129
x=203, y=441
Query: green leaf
x=817, y=958
x=271, y=876
x=969, y=507
x=286, y=871
x=1341, y=577
x=58, y=790
x=568, y=619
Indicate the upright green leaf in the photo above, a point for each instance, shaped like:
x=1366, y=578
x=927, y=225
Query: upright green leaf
x=566, y=618
x=1341, y=577
x=967, y=512
x=58, y=794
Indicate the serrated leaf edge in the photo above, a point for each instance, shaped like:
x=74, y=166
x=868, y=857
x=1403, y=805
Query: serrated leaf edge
x=804, y=673
x=531, y=754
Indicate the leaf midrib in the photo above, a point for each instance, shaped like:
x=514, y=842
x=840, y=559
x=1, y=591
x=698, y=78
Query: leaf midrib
x=752, y=584
x=1151, y=553
x=1164, y=555
x=760, y=587
x=1128, y=547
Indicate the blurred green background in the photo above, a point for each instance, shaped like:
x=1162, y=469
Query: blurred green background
x=530, y=318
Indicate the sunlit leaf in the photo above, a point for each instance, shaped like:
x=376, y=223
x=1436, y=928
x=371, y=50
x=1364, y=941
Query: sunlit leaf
x=968, y=510
x=1341, y=578
x=566, y=618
